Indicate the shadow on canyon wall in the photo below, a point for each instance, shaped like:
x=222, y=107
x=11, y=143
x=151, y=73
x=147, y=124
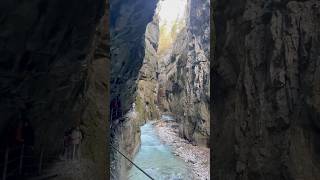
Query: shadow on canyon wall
x=54, y=70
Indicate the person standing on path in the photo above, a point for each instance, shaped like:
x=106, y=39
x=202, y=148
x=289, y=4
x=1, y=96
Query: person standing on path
x=67, y=144
x=76, y=138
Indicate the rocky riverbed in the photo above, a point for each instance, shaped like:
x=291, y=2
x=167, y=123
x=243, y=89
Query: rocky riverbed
x=196, y=157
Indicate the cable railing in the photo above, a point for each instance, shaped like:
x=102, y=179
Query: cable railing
x=132, y=162
x=116, y=115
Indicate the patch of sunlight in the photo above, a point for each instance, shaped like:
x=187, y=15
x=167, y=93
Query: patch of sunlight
x=172, y=20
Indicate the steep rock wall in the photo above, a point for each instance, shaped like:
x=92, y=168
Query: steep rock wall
x=146, y=103
x=266, y=78
x=184, y=81
x=129, y=21
x=54, y=63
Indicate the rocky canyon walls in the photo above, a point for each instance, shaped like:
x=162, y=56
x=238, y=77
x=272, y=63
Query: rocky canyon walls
x=146, y=101
x=184, y=77
x=129, y=20
x=54, y=71
x=131, y=77
x=266, y=94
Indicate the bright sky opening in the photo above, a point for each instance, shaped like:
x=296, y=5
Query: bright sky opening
x=171, y=15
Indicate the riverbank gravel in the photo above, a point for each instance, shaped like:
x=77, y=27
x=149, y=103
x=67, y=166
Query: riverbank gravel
x=196, y=157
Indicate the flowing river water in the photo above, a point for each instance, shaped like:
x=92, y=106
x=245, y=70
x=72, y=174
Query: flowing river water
x=157, y=159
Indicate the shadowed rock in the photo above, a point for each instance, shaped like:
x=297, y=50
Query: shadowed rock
x=266, y=90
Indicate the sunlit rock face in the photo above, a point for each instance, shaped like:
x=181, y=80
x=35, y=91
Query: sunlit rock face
x=184, y=74
x=266, y=94
x=53, y=65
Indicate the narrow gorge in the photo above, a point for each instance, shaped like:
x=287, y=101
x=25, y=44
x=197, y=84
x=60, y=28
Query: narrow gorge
x=159, y=66
x=114, y=70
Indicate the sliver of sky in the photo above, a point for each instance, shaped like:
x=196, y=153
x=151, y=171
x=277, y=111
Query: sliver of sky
x=171, y=10
x=171, y=14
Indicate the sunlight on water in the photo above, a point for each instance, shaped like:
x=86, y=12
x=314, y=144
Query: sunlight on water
x=156, y=159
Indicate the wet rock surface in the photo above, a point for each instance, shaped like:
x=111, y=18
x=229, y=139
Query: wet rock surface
x=266, y=90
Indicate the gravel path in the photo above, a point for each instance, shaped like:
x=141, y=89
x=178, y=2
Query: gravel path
x=198, y=158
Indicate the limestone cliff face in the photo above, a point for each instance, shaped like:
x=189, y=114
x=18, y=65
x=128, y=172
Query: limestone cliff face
x=128, y=26
x=130, y=77
x=266, y=94
x=53, y=70
x=184, y=81
x=146, y=100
